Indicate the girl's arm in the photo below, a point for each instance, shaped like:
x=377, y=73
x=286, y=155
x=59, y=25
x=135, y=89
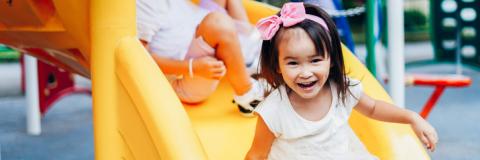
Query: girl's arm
x=206, y=66
x=261, y=142
x=170, y=66
x=384, y=111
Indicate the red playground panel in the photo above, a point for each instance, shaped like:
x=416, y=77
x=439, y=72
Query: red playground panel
x=54, y=83
x=440, y=82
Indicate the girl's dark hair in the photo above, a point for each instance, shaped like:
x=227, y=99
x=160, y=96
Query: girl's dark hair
x=326, y=42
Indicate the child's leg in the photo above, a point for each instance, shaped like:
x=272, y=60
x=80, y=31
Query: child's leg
x=234, y=8
x=213, y=6
x=218, y=30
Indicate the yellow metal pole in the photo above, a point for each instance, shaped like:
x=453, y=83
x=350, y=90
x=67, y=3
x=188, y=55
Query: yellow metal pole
x=110, y=21
x=165, y=122
x=136, y=113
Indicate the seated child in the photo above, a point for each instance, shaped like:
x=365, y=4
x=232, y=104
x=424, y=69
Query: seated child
x=195, y=49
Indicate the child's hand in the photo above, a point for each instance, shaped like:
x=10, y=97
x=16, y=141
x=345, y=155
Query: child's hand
x=208, y=67
x=425, y=132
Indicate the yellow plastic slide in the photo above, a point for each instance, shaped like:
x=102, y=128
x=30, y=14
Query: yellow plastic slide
x=136, y=114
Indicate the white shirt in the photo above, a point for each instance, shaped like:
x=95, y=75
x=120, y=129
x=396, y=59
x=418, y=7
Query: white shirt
x=168, y=25
x=299, y=138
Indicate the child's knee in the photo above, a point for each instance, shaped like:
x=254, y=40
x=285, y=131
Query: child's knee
x=220, y=24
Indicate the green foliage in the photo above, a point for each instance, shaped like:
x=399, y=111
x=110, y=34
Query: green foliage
x=8, y=54
x=415, y=20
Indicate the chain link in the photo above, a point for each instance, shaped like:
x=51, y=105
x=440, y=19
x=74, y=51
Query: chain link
x=346, y=13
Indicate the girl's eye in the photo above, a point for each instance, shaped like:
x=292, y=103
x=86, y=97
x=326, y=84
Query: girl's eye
x=316, y=60
x=292, y=63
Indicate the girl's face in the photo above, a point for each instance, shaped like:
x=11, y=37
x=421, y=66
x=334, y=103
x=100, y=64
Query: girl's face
x=301, y=68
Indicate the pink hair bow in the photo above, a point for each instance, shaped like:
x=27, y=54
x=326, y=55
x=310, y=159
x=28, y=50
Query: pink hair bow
x=291, y=14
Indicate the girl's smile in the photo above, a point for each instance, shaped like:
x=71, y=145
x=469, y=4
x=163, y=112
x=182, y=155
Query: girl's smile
x=307, y=85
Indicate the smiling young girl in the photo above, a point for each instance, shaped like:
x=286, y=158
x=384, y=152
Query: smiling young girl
x=305, y=116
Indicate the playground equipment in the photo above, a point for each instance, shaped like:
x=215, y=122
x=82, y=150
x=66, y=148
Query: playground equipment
x=455, y=39
x=395, y=41
x=53, y=83
x=455, y=26
x=453, y=23
x=136, y=114
x=440, y=82
x=44, y=85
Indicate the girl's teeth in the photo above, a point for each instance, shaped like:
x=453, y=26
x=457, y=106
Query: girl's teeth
x=305, y=85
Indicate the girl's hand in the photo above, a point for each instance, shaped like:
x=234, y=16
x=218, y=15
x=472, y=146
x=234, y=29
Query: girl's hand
x=425, y=132
x=208, y=67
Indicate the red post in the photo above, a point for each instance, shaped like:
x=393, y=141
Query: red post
x=431, y=101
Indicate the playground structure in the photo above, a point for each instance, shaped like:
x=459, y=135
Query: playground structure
x=440, y=82
x=453, y=28
x=136, y=114
x=53, y=83
x=454, y=32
